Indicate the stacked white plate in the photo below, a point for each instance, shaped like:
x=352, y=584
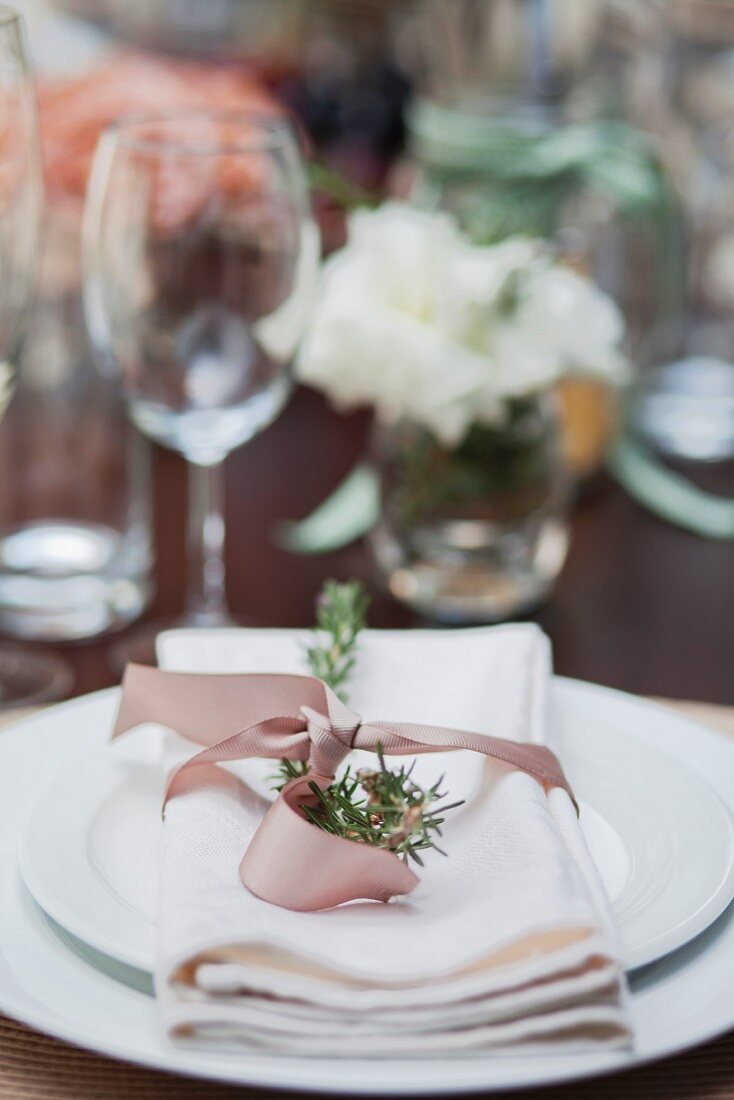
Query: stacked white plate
x=78, y=842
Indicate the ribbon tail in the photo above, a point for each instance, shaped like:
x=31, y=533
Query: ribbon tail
x=401, y=738
x=276, y=738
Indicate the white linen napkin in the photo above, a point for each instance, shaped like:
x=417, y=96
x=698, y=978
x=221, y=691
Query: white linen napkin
x=507, y=941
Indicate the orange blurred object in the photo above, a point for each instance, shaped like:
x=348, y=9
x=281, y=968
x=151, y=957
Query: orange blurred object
x=74, y=112
x=589, y=417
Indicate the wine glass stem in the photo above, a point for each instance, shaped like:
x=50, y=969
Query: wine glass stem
x=207, y=601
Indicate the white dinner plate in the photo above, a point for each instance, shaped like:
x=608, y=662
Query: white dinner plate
x=677, y=1002
x=89, y=848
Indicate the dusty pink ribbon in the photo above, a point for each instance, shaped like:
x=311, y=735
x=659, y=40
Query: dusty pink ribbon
x=289, y=861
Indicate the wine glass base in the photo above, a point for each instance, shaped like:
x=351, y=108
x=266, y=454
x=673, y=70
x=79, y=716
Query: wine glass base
x=29, y=679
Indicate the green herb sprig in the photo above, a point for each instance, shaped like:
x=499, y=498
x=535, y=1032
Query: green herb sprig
x=385, y=808
x=341, y=614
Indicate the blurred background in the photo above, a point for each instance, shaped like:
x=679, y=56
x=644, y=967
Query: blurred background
x=603, y=126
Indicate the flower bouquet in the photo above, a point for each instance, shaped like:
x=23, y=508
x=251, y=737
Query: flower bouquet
x=458, y=348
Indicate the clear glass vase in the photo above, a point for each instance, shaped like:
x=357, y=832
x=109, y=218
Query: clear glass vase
x=478, y=533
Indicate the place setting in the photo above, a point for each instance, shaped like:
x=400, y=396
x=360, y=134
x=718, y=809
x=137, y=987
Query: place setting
x=541, y=946
x=377, y=826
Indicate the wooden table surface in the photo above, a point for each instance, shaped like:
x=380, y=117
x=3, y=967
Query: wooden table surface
x=640, y=606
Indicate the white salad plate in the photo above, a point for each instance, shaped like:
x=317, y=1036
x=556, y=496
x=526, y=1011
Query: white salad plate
x=628, y=760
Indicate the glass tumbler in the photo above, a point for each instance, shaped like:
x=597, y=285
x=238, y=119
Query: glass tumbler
x=478, y=533
x=75, y=517
x=75, y=546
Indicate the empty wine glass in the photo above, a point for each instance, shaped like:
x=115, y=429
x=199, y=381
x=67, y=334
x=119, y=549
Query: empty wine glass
x=200, y=260
x=25, y=677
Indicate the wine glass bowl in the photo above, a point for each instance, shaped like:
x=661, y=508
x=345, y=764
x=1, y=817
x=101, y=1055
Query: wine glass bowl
x=201, y=257
x=198, y=241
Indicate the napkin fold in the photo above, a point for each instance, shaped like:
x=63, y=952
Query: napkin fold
x=507, y=941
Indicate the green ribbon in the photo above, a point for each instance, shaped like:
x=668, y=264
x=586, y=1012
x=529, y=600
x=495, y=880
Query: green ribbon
x=669, y=495
x=345, y=516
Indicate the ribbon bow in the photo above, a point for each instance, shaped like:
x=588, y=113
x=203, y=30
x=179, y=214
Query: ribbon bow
x=291, y=862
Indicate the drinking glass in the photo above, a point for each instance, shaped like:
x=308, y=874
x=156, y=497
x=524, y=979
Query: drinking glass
x=685, y=400
x=200, y=257
x=25, y=677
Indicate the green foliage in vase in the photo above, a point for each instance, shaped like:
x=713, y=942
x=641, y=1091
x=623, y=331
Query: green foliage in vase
x=493, y=471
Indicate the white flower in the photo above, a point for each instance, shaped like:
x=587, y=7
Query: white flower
x=415, y=320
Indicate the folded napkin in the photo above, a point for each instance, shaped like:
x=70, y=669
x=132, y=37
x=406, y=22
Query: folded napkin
x=507, y=941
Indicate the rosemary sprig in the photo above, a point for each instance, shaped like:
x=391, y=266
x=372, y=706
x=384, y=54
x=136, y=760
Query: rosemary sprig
x=385, y=808
x=392, y=812
x=341, y=613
